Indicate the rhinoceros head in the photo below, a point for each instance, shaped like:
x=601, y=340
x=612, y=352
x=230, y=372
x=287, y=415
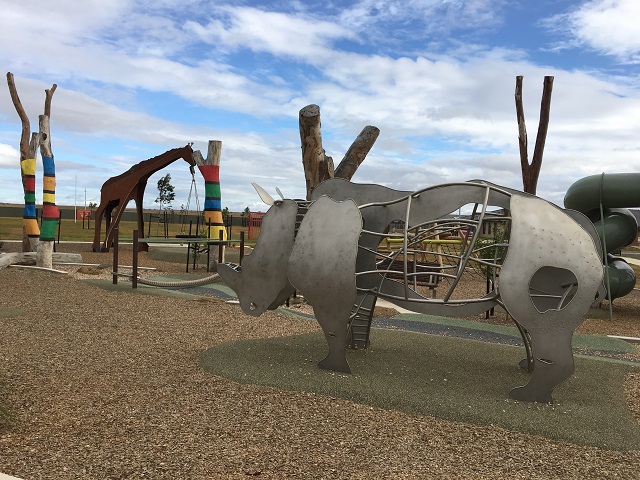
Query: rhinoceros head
x=261, y=282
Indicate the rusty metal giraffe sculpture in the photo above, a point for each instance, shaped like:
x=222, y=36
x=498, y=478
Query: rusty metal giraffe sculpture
x=130, y=185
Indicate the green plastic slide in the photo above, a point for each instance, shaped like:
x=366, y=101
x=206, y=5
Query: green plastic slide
x=605, y=200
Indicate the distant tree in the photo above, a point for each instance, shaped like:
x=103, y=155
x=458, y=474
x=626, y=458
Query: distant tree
x=245, y=216
x=165, y=192
x=226, y=217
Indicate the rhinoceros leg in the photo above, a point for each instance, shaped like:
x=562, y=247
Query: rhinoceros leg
x=548, y=281
x=323, y=265
x=553, y=364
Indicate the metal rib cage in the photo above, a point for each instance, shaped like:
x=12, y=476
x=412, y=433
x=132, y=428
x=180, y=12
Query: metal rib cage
x=473, y=255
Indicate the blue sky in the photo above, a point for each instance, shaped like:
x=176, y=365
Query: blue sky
x=437, y=77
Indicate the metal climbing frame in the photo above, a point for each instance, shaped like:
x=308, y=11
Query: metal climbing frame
x=471, y=257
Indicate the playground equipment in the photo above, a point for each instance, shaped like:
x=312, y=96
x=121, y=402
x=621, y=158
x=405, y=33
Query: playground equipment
x=549, y=264
x=604, y=199
x=130, y=185
x=184, y=214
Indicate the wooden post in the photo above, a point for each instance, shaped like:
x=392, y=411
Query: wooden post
x=115, y=255
x=134, y=266
x=51, y=213
x=221, y=250
x=531, y=171
x=241, y=247
x=59, y=226
x=316, y=164
x=30, y=229
x=319, y=167
x=210, y=170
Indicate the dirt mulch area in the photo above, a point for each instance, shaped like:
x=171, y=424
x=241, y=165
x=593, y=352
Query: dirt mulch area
x=107, y=384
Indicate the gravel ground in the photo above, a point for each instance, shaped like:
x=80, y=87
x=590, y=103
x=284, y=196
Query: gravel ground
x=107, y=385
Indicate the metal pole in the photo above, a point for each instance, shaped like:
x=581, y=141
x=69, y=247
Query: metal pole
x=220, y=247
x=241, y=247
x=604, y=252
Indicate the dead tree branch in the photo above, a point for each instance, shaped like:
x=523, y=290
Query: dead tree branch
x=26, y=127
x=531, y=171
x=357, y=152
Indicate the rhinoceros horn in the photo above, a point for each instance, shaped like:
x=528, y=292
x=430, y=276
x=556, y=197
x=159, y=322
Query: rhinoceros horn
x=263, y=194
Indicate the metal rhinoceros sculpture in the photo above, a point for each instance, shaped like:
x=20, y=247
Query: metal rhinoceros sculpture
x=546, y=271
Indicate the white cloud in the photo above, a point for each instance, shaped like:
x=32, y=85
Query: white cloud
x=607, y=26
x=272, y=32
x=77, y=55
x=9, y=157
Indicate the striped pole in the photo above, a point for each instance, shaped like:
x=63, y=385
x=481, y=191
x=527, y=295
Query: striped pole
x=50, y=212
x=29, y=219
x=212, y=202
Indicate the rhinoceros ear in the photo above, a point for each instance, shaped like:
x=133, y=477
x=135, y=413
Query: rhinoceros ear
x=264, y=196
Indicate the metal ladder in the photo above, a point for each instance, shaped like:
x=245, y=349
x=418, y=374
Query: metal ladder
x=359, y=327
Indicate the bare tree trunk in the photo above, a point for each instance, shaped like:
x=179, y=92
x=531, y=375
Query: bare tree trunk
x=30, y=231
x=531, y=171
x=318, y=167
x=50, y=212
x=357, y=152
x=29, y=258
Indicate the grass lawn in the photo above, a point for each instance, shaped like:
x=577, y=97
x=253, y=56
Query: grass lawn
x=72, y=231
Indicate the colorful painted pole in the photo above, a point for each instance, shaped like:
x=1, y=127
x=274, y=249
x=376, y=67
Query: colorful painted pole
x=29, y=218
x=212, y=202
x=210, y=170
x=50, y=212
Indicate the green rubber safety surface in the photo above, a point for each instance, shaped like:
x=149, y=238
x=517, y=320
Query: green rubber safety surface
x=580, y=341
x=453, y=379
